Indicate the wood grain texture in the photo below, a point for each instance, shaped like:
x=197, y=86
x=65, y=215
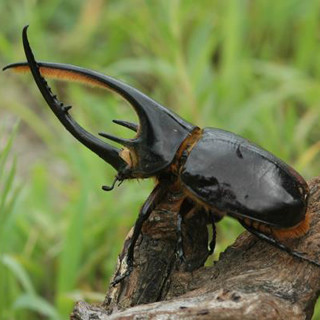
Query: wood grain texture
x=251, y=280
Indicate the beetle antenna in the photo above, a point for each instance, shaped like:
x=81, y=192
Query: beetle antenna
x=279, y=245
x=109, y=188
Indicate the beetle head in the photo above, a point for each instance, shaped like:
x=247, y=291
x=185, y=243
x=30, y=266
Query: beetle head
x=158, y=135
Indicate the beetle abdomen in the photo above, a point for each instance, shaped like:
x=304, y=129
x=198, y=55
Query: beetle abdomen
x=227, y=172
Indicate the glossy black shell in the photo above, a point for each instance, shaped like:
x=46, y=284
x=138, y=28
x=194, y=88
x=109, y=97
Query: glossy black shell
x=238, y=178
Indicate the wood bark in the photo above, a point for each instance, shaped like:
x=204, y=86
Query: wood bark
x=251, y=280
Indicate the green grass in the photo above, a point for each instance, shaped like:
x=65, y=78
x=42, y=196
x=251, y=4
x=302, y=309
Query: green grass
x=251, y=67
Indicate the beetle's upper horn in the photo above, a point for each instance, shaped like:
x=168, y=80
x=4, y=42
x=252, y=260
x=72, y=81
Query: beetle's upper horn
x=160, y=132
x=104, y=150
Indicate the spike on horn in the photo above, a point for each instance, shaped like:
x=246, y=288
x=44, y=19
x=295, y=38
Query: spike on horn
x=124, y=142
x=129, y=125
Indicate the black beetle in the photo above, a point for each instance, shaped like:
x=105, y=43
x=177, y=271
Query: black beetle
x=218, y=171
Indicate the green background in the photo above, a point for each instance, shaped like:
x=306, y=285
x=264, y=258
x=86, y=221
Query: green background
x=251, y=67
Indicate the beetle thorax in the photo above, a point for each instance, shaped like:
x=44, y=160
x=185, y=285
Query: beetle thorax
x=184, y=151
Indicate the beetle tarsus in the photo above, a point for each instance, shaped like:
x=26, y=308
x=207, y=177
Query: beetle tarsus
x=279, y=245
x=121, y=277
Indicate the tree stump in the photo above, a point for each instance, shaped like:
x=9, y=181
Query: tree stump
x=251, y=280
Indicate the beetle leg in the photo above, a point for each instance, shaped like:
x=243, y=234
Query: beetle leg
x=212, y=243
x=279, y=245
x=180, y=251
x=145, y=211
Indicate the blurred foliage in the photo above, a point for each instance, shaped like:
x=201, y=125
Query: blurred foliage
x=251, y=67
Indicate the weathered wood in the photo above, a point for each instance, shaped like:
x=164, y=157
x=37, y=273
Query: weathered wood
x=251, y=280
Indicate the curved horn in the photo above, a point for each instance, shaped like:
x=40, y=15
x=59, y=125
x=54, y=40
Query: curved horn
x=107, y=152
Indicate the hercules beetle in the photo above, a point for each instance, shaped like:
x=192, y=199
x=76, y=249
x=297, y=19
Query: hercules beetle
x=217, y=171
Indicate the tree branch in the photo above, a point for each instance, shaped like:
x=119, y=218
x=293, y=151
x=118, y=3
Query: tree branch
x=251, y=280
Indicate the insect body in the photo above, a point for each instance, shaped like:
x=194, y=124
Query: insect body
x=248, y=183
x=217, y=171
